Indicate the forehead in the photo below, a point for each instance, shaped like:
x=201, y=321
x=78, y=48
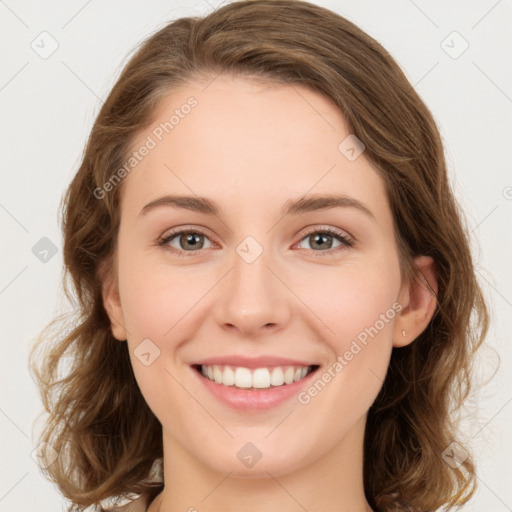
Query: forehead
x=249, y=142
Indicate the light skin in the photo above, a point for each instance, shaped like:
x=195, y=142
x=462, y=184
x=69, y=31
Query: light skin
x=251, y=147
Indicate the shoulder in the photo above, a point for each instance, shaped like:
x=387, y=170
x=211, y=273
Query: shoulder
x=134, y=503
x=130, y=502
x=137, y=505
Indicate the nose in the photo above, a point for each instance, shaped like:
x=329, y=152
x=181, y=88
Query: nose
x=252, y=299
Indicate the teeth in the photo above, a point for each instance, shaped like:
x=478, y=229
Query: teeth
x=277, y=377
x=217, y=375
x=243, y=378
x=288, y=375
x=228, y=377
x=260, y=378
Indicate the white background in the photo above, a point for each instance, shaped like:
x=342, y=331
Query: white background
x=47, y=107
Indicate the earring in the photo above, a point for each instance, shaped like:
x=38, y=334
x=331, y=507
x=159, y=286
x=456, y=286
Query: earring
x=403, y=333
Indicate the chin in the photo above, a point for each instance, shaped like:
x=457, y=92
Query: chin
x=259, y=468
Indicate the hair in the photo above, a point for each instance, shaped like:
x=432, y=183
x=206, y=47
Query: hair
x=97, y=419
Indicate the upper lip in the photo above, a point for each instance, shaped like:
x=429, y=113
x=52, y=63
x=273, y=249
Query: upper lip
x=252, y=362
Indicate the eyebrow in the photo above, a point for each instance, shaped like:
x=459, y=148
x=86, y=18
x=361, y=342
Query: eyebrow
x=291, y=207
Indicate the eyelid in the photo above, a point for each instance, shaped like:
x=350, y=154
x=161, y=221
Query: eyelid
x=345, y=238
x=170, y=234
x=330, y=230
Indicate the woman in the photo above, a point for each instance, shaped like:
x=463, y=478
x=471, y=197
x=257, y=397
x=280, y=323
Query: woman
x=222, y=358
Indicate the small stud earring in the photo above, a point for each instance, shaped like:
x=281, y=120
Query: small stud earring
x=403, y=333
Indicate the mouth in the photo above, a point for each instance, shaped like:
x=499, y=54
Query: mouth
x=254, y=379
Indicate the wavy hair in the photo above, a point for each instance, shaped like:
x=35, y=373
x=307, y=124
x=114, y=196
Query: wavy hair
x=97, y=419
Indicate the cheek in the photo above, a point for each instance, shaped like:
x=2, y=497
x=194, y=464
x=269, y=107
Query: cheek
x=155, y=299
x=359, y=307
x=155, y=303
x=347, y=300
x=352, y=299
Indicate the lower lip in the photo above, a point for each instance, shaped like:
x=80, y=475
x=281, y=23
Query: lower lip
x=257, y=399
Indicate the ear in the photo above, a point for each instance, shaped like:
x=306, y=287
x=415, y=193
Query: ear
x=419, y=299
x=112, y=300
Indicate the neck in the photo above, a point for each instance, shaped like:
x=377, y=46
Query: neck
x=331, y=482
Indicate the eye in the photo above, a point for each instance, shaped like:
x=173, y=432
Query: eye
x=185, y=240
x=324, y=239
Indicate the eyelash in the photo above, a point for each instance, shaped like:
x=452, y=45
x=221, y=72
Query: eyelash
x=347, y=242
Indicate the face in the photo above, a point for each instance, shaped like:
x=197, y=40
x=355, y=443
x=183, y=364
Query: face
x=264, y=282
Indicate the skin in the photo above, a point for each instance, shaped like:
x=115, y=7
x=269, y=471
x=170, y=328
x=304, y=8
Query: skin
x=251, y=146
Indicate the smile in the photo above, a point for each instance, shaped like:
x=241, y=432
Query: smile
x=258, y=378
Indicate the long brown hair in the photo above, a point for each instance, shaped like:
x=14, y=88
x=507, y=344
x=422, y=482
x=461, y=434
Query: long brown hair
x=106, y=435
